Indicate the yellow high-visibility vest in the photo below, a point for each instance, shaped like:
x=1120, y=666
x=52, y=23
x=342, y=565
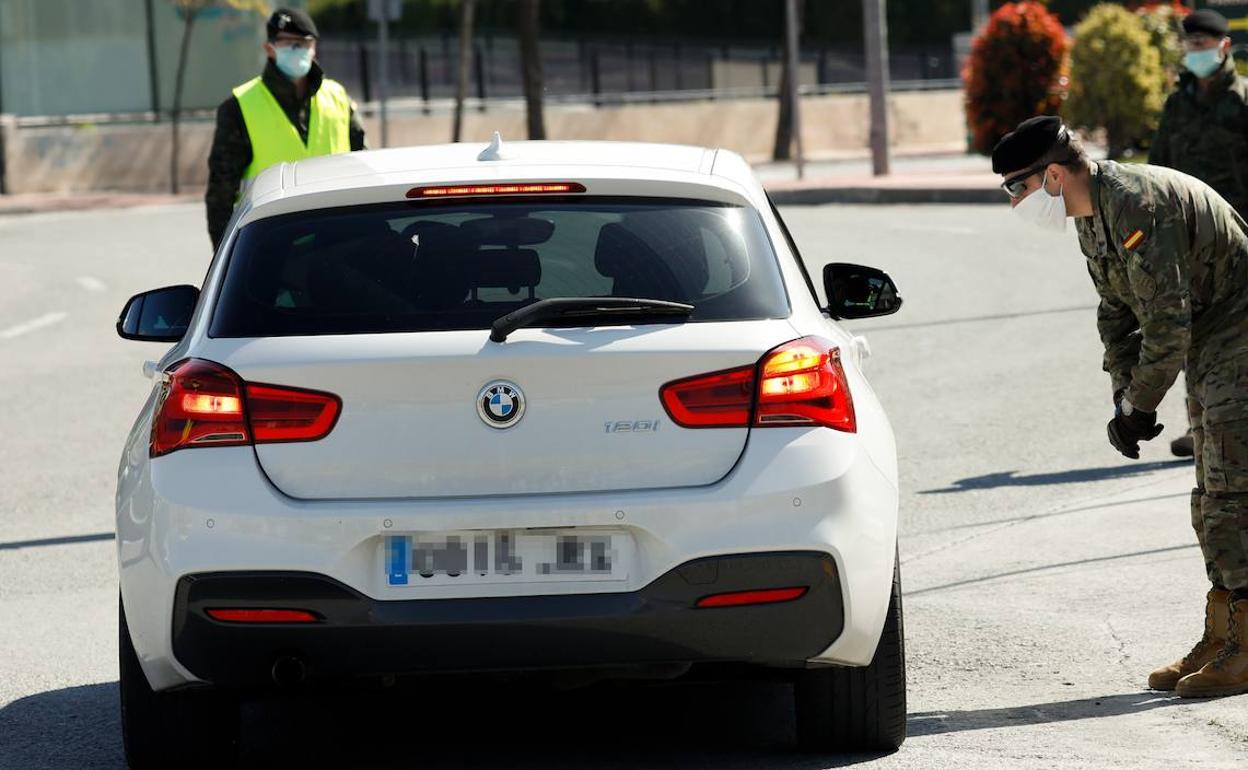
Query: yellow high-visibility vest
x=275, y=140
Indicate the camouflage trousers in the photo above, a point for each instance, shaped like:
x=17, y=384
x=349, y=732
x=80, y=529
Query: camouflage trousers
x=1217, y=404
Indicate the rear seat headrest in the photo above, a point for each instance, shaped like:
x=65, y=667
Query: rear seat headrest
x=616, y=248
x=509, y=231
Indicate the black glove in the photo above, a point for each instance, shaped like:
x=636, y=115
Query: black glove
x=1126, y=431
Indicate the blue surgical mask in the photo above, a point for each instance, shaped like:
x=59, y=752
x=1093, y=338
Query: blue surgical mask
x=1204, y=63
x=294, y=63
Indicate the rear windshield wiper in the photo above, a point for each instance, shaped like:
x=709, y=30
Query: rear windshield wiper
x=586, y=307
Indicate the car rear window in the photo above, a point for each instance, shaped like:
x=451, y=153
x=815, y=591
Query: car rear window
x=459, y=265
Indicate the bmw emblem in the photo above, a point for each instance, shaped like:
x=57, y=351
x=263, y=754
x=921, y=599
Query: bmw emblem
x=500, y=404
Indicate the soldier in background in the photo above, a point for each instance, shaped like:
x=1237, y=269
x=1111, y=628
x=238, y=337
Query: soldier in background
x=1169, y=259
x=290, y=112
x=1204, y=126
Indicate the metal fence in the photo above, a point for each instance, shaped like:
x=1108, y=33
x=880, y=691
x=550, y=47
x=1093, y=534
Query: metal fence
x=613, y=71
x=422, y=72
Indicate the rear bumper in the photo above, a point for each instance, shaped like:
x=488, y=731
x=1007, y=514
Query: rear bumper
x=359, y=636
x=210, y=511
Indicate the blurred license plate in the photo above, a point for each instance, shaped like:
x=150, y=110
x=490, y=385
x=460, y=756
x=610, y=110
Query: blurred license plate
x=507, y=556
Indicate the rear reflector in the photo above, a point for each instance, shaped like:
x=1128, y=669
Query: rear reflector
x=251, y=615
x=741, y=598
x=527, y=188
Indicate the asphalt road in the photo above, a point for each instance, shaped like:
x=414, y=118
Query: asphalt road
x=1044, y=574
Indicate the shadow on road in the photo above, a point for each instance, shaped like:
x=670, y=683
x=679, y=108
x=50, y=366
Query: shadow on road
x=1009, y=479
x=1051, y=514
x=938, y=722
x=68, y=539
x=75, y=727
x=1046, y=567
x=685, y=725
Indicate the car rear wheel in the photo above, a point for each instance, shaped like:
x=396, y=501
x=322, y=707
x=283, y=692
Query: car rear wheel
x=861, y=708
x=188, y=728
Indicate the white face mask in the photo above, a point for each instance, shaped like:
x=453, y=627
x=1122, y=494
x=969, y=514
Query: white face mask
x=1044, y=210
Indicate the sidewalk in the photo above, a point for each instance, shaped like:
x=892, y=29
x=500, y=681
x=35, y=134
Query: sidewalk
x=954, y=178
x=942, y=178
x=36, y=203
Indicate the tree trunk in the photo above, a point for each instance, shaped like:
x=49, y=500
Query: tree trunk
x=466, y=10
x=175, y=149
x=531, y=66
x=875, y=39
x=782, y=150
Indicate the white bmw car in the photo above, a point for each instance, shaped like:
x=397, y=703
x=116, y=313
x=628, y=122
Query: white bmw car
x=539, y=406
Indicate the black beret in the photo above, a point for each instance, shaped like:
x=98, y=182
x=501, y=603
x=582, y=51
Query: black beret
x=1025, y=145
x=1206, y=22
x=291, y=21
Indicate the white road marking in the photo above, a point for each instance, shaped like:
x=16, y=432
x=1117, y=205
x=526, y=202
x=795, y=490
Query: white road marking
x=952, y=229
x=90, y=284
x=35, y=323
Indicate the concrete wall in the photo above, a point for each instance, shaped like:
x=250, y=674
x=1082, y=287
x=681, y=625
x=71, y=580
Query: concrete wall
x=135, y=157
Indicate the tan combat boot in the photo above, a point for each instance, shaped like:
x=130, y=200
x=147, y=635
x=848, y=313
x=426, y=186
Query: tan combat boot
x=1166, y=677
x=1227, y=674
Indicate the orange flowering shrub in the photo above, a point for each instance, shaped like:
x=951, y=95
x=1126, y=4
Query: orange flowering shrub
x=1016, y=70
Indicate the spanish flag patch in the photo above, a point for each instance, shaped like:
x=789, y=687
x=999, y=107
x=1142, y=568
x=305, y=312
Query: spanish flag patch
x=1133, y=240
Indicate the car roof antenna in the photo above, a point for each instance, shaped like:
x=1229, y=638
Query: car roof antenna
x=495, y=150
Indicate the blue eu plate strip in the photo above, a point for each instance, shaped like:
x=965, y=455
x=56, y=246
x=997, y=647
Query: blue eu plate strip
x=396, y=550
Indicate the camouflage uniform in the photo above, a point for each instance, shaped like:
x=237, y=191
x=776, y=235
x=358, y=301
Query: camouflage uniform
x=1204, y=133
x=1169, y=258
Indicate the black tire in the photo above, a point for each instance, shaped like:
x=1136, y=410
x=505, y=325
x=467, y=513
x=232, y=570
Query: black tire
x=186, y=728
x=858, y=709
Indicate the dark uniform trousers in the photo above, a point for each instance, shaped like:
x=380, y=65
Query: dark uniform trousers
x=1217, y=405
x=1169, y=259
x=1204, y=133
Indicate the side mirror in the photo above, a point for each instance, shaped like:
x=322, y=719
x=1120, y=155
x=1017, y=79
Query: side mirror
x=159, y=315
x=855, y=291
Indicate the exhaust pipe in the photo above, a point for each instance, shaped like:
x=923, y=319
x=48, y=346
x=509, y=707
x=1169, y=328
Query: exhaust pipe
x=289, y=671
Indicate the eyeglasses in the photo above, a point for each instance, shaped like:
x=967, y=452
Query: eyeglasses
x=1015, y=186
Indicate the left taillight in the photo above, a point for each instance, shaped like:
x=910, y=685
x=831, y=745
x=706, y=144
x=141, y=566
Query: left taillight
x=798, y=383
x=203, y=403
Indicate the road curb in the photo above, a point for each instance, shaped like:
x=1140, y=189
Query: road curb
x=41, y=204
x=816, y=196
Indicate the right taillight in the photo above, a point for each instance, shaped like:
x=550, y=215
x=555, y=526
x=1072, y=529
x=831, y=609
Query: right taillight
x=803, y=383
x=715, y=400
x=203, y=403
x=800, y=382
